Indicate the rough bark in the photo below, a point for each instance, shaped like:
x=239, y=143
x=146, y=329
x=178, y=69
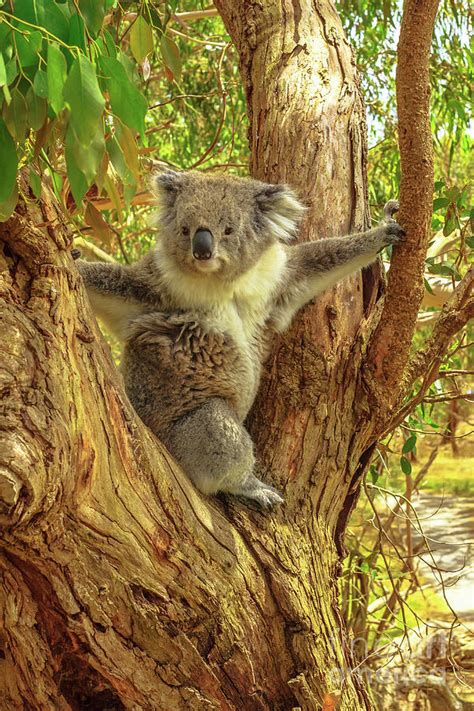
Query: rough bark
x=122, y=586
x=390, y=345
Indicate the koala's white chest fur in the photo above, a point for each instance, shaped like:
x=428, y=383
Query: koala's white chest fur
x=238, y=309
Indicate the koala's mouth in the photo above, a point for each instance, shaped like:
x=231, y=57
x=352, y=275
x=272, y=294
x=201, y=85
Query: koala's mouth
x=207, y=266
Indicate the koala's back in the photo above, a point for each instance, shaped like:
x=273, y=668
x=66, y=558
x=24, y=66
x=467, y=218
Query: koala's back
x=173, y=363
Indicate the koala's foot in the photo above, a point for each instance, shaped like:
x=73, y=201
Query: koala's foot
x=256, y=491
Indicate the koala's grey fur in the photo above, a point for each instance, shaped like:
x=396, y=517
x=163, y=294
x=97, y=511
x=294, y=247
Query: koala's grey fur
x=196, y=332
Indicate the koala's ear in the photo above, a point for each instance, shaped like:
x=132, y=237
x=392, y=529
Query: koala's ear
x=281, y=210
x=166, y=186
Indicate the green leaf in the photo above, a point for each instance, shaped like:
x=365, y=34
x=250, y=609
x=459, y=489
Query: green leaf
x=82, y=92
x=171, y=56
x=44, y=13
x=77, y=180
x=8, y=161
x=126, y=101
x=428, y=286
x=3, y=71
x=141, y=39
x=35, y=184
x=129, y=147
x=449, y=222
x=129, y=65
x=374, y=475
x=40, y=84
x=439, y=203
x=443, y=269
x=88, y=158
x=15, y=116
x=77, y=36
x=7, y=206
x=117, y=159
x=405, y=465
x=110, y=44
x=56, y=72
x=12, y=70
x=5, y=37
x=410, y=444
x=470, y=241
x=28, y=47
x=37, y=109
x=93, y=12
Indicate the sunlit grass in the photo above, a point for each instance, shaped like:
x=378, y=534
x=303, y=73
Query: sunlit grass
x=450, y=475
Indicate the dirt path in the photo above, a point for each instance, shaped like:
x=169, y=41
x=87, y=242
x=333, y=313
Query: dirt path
x=449, y=525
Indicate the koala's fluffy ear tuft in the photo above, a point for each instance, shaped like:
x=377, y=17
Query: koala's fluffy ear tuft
x=166, y=185
x=281, y=210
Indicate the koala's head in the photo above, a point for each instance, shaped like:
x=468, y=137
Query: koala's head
x=221, y=225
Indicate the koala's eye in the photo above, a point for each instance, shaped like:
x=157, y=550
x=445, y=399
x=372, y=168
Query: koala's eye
x=185, y=231
x=228, y=230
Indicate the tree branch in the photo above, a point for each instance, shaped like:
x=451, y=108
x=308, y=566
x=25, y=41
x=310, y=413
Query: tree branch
x=454, y=315
x=389, y=348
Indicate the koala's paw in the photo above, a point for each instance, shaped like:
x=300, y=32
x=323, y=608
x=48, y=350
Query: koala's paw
x=392, y=234
x=262, y=495
x=390, y=208
x=75, y=253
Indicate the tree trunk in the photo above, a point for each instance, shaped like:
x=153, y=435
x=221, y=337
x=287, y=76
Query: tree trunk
x=122, y=586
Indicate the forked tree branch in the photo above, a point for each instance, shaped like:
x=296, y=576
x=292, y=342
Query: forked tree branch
x=454, y=316
x=389, y=347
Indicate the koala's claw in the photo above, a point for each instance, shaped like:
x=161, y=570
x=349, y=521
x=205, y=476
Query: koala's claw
x=263, y=495
x=394, y=234
x=75, y=253
x=390, y=208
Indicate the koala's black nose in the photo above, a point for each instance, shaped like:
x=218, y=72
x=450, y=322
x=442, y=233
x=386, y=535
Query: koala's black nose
x=203, y=244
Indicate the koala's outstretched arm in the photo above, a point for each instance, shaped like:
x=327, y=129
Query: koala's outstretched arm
x=314, y=267
x=116, y=293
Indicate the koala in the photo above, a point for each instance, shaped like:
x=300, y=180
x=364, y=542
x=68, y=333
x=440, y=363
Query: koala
x=197, y=313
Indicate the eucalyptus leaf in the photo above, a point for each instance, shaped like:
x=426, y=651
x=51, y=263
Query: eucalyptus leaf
x=35, y=184
x=8, y=161
x=405, y=465
x=410, y=444
x=43, y=13
x=126, y=101
x=93, y=13
x=141, y=39
x=56, y=72
x=85, y=99
x=28, y=47
x=15, y=116
x=3, y=71
x=171, y=56
x=40, y=84
x=8, y=205
x=77, y=180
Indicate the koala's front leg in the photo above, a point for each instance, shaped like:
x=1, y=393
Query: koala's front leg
x=314, y=267
x=114, y=293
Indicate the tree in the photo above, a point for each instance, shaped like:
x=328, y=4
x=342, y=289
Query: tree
x=122, y=586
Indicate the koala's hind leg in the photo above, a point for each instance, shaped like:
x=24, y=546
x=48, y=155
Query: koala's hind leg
x=216, y=452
